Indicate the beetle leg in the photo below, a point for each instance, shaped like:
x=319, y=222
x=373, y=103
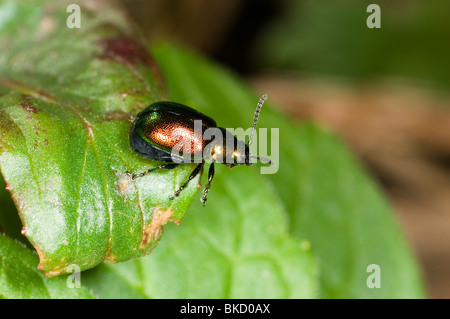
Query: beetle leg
x=194, y=173
x=208, y=185
x=148, y=171
x=201, y=175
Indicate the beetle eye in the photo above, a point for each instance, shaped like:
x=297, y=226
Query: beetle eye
x=217, y=150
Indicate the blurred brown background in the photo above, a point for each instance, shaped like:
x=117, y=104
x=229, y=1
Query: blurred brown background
x=385, y=91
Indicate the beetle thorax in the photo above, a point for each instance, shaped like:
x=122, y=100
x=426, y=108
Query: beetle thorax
x=227, y=149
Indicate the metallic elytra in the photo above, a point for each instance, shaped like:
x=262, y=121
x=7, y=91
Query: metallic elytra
x=155, y=127
x=165, y=125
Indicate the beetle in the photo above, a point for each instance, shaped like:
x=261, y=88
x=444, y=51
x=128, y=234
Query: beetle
x=165, y=125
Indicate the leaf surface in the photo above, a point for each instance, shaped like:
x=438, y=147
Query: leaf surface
x=19, y=277
x=64, y=153
x=66, y=104
x=328, y=197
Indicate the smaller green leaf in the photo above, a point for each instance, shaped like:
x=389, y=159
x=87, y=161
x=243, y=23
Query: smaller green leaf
x=328, y=197
x=19, y=277
x=111, y=282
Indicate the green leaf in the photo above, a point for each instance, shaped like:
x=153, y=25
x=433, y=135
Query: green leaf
x=236, y=247
x=19, y=278
x=330, y=200
x=64, y=153
x=348, y=222
x=66, y=103
x=249, y=240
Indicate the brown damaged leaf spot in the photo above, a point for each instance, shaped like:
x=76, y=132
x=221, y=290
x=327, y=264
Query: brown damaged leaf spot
x=53, y=273
x=129, y=51
x=45, y=28
x=27, y=106
x=123, y=184
x=126, y=50
x=5, y=125
x=116, y=116
x=110, y=258
x=42, y=260
x=57, y=270
x=153, y=231
x=119, y=115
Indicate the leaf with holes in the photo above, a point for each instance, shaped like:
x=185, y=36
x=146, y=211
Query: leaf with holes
x=67, y=98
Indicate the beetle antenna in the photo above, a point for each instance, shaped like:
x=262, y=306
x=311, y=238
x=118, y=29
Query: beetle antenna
x=255, y=118
x=262, y=159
